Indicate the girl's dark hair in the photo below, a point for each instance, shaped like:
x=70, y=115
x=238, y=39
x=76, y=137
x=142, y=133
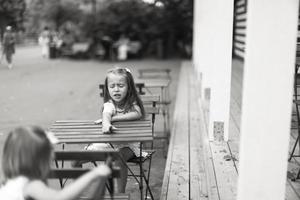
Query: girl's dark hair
x=132, y=95
x=28, y=152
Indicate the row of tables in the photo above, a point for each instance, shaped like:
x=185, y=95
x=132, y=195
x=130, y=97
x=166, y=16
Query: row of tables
x=86, y=131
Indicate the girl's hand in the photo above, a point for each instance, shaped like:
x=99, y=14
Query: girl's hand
x=107, y=129
x=103, y=170
x=98, y=121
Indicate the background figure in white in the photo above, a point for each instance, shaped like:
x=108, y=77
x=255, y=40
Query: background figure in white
x=122, y=46
x=44, y=40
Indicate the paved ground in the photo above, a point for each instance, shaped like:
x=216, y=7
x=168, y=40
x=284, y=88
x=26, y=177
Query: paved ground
x=40, y=91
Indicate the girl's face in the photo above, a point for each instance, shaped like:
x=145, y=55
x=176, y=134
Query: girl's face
x=117, y=87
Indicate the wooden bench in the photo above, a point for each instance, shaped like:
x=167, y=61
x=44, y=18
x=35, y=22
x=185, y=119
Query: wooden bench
x=73, y=173
x=185, y=176
x=196, y=168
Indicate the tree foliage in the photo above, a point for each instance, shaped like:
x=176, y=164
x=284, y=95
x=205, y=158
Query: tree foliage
x=53, y=13
x=11, y=13
x=169, y=21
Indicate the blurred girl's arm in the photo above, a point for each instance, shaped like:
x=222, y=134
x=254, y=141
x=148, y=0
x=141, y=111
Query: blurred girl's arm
x=39, y=190
x=98, y=121
x=136, y=113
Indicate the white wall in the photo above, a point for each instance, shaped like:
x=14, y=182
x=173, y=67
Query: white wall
x=267, y=98
x=213, y=22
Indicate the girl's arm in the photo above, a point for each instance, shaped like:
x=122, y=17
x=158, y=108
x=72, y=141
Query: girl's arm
x=136, y=113
x=106, y=122
x=128, y=116
x=39, y=190
x=98, y=121
x=108, y=112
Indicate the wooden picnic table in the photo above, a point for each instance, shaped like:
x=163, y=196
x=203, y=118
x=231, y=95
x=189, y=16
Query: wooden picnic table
x=86, y=131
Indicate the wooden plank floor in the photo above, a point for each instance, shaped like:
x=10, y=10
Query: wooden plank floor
x=292, y=188
x=221, y=159
x=221, y=164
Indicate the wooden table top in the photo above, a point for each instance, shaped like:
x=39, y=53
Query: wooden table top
x=86, y=131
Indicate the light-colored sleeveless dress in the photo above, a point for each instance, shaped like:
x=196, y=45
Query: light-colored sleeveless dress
x=13, y=189
x=110, y=108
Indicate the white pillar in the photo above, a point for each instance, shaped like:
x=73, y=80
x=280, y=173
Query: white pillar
x=220, y=70
x=213, y=23
x=202, y=40
x=196, y=40
x=267, y=98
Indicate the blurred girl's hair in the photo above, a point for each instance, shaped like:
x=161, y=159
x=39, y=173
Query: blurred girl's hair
x=27, y=152
x=132, y=94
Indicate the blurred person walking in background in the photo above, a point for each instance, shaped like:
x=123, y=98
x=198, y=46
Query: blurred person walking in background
x=8, y=45
x=44, y=40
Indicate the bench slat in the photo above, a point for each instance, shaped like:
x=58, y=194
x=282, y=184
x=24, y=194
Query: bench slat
x=99, y=130
x=198, y=178
x=95, y=140
x=152, y=110
x=75, y=173
x=107, y=197
x=150, y=98
x=154, y=70
x=155, y=83
x=83, y=136
x=154, y=73
x=86, y=154
x=91, y=122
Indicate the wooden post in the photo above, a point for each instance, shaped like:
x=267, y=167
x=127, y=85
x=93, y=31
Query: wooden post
x=202, y=40
x=221, y=71
x=267, y=98
x=212, y=59
x=196, y=39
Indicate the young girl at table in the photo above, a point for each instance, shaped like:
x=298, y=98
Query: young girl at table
x=26, y=159
x=121, y=103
